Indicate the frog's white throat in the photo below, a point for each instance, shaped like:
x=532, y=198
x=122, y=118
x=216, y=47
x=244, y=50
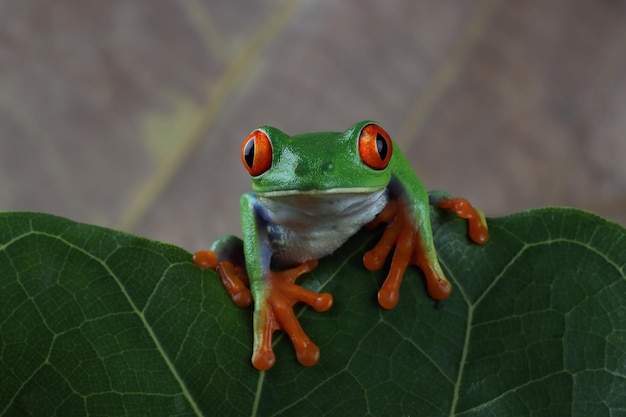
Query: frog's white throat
x=312, y=224
x=285, y=208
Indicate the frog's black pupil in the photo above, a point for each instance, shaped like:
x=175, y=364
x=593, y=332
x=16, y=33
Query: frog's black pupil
x=248, y=153
x=381, y=146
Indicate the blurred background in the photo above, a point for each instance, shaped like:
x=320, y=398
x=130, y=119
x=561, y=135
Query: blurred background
x=130, y=113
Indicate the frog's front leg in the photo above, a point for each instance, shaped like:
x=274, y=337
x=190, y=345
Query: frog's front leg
x=242, y=263
x=411, y=247
x=409, y=232
x=275, y=292
x=275, y=296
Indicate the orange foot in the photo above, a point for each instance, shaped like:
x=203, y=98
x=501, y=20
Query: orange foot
x=412, y=248
x=234, y=277
x=477, y=224
x=275, y=312
x=275, y=297
x=409, y=249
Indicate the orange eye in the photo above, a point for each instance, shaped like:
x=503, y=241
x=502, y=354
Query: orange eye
x=375, y=147
x=256, y=153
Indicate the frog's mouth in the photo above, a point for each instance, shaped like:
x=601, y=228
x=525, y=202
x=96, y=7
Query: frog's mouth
x=285, y=205
x=323, y=192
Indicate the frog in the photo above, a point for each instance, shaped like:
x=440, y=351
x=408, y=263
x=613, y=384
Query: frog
x=311, y=193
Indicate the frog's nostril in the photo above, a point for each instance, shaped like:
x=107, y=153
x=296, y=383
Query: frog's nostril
x=304, y=168
x=301, y=169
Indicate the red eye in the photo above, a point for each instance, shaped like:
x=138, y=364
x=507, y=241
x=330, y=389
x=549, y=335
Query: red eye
x=256, y=153
x=375, y=147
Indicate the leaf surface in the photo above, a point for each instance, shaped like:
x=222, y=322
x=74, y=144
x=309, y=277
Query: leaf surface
x=98, y=322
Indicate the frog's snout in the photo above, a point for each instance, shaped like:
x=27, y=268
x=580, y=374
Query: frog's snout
x=320, y=167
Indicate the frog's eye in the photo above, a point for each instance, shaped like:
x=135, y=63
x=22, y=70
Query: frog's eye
x=375, y=147
x=256, y=153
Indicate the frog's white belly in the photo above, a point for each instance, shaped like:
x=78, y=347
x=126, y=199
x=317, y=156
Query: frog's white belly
x=304, y=226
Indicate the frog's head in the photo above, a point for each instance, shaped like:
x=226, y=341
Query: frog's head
x=354, y=161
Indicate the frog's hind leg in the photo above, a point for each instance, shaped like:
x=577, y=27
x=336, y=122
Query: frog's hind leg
x=227, y=258
x=476, y=222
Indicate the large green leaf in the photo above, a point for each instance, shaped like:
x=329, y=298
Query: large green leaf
x=98, y=322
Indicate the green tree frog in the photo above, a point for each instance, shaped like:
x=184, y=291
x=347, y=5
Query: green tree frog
x=312, y=192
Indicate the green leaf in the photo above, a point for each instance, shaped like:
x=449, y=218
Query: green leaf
x=98, y=322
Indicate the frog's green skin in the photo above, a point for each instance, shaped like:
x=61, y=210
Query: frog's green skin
x=316, y=194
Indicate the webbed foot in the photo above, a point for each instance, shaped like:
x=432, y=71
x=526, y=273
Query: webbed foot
x=275, y=312
x=477, y=224
x=401, y=234
x=234, y=277
x=275, y=294
x=415, y=246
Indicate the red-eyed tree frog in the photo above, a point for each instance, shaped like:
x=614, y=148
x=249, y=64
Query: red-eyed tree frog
x=312, y=192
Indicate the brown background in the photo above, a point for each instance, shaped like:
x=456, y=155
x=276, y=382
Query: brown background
x=130, y=114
